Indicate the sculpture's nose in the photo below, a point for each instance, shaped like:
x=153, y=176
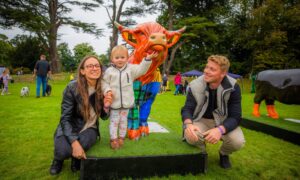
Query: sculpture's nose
x=158, y=40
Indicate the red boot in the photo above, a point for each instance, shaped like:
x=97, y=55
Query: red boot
x=144, y=130
x=256, y=110
x=272, y=112
x=133, y=134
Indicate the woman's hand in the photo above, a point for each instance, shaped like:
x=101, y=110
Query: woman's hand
x=108, y=97
x=77, y=150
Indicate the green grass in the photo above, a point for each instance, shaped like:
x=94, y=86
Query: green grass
x=28, y=124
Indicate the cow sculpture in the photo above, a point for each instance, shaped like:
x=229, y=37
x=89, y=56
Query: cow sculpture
x=280, y=85
x=146, y=38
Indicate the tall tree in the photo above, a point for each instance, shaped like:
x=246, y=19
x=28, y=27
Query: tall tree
x=66, y=58
x=123, y=11
x=81, y=50
x=6, y=50
x=44, y=17
x=201, y=18
x=26, y=51
x=273, y=34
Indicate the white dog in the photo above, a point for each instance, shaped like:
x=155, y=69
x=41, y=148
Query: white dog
x=24, y=91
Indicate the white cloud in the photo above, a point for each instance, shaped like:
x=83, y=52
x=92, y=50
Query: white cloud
x=72, y=38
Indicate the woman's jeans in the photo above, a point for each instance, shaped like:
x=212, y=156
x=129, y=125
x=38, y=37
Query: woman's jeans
x=63, y=149
x=177, y=89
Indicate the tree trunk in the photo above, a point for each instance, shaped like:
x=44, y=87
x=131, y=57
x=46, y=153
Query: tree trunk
x=170, y=27
x=172, y=57
x=115, y=17
x=54, y=24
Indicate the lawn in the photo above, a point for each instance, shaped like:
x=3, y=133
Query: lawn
x=28, y=124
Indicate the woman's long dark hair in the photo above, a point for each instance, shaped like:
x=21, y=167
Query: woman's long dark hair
x=82, y=89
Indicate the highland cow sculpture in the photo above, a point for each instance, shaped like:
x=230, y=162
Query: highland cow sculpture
x=280, y=85
x=146, y=37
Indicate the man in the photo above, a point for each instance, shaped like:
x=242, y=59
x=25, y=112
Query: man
x=41, y=70
x=212, y=111
x=164, y=84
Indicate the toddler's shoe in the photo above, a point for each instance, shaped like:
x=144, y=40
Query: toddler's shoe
x=114, y=144
x=121, y=141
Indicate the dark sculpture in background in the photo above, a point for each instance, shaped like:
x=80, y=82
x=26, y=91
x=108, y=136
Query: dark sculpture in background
x=280, y=85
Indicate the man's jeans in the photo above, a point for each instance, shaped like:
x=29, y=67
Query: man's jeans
x=41, y=80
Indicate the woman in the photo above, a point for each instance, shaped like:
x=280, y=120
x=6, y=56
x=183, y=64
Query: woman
x=177, y=82
x=81, y=106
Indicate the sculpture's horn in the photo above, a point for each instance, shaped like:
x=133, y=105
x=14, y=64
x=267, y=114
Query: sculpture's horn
x=119, y=26
x=182, y=29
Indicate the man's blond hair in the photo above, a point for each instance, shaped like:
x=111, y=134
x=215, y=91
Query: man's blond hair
x=222, y=61
x=119, y=48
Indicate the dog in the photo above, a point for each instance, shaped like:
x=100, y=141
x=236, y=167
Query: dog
x=48, y=90
x=24, y=91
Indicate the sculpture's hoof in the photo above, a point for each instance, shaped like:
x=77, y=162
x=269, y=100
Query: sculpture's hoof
x=256, y=114
x=144, y=131
x=133, y=134
x=273, y=116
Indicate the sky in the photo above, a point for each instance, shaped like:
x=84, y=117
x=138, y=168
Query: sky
x=72, y=38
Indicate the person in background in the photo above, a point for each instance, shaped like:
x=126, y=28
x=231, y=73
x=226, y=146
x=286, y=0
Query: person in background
x=212, y=110
x=81, y=107
x=177, y=82
x=41, y=71
x=5, y=78
x=185, y=85
x=164, y=83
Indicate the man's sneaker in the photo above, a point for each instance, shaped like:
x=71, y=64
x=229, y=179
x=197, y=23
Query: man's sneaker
x=56, y=167
x=75, y=164
x=224, y=161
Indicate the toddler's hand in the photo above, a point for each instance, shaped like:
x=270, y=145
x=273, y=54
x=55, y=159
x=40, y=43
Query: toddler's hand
x=152, y=55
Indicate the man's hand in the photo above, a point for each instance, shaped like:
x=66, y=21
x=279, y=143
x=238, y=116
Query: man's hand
x=213, y=135
x=77, y=150
x=190, y=133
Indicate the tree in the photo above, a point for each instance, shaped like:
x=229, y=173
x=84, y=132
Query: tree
x=104, y=59
x=5, y=50
x=117, y=9
x=272, y=35
x=202, y=19
x=65, y=55
x=43, y=18
x=26, y=51
x=82, y=50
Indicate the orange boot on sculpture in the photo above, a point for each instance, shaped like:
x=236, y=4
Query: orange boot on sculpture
x=272, y=112
x=256, y=110
x=144, y=131
x=133, y=134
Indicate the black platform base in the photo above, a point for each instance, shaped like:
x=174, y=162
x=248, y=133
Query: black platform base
x=286, y=135
x=142, y=166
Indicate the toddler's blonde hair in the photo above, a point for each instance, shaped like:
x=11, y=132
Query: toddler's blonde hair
x=118, y=48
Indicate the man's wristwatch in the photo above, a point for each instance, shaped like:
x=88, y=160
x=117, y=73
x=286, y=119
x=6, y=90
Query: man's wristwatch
x=184, y=126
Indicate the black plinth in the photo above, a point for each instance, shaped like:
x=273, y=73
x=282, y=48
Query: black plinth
x=142, y=166
x=284, y=134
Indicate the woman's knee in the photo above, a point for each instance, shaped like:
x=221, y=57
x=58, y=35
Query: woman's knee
x=88, y=138
x=62, y=150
